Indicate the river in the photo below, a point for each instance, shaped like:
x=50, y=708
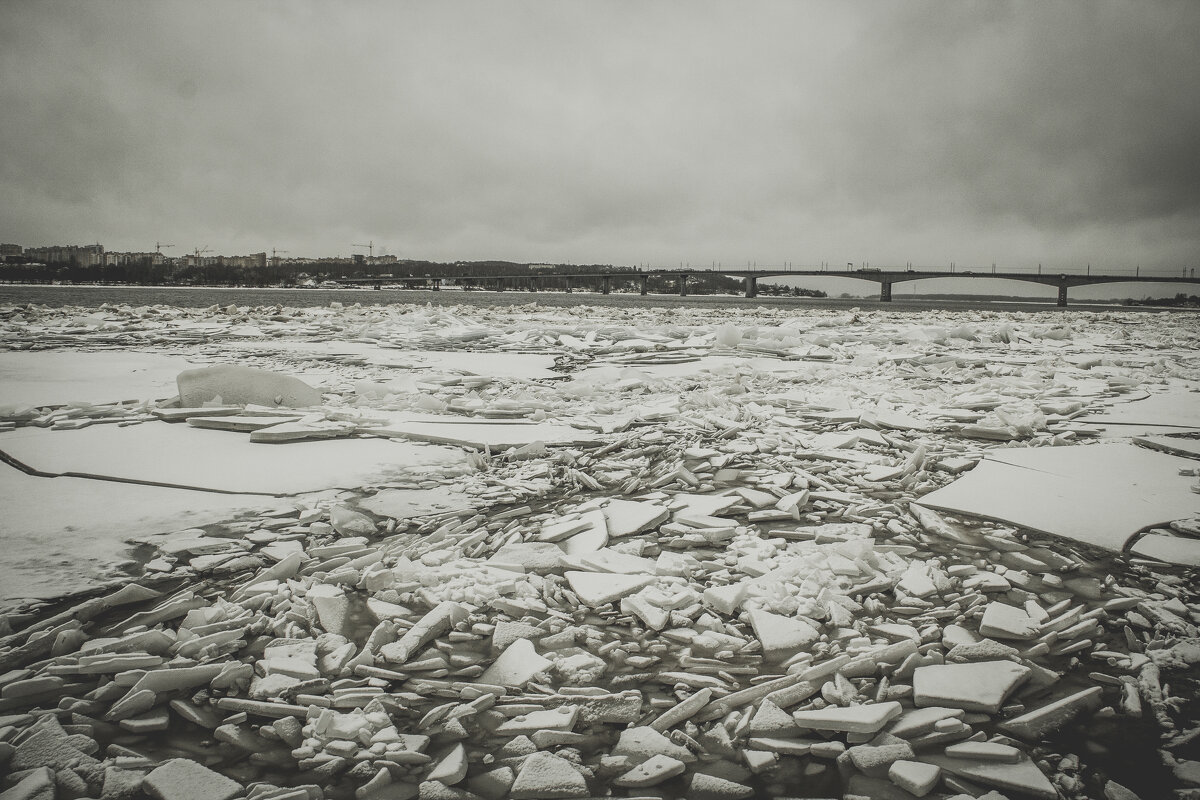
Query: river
x=205, y=296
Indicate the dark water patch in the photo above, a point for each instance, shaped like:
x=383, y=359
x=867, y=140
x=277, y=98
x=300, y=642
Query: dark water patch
x=1119, y=748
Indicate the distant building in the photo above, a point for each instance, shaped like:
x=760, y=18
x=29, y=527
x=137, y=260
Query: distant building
x=85, y=255
x=252, y=261
x=541, y=266
x=10, y=250
x=113, y=259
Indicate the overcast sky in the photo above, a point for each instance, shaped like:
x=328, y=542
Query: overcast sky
x=609, y=132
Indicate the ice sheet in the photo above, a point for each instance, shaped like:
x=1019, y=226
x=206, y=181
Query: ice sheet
x=1176, y=408
x=67, y=533
x=1172, y=549
x=58, y=377
x=402, y=504
x=1099, y=494
x=182, y=455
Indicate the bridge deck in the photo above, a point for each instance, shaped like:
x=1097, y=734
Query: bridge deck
x=885, y=278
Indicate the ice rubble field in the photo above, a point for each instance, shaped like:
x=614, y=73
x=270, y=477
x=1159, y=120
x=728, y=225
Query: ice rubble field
x=530, y=553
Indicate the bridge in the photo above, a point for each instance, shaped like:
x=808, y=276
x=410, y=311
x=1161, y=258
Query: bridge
x=750, y=278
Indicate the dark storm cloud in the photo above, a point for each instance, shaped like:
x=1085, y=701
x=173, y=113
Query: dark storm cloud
x=619, y=132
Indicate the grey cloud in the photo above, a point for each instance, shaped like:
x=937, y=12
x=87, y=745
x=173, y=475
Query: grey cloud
x=617, y=132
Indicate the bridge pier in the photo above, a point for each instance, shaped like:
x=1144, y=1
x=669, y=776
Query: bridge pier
x=645, y=281
x=437, y=284
x=533, y=283
x=1062, y=295
x=885, y=292
x=683, y=284
x=605, y=284
x=751, y=286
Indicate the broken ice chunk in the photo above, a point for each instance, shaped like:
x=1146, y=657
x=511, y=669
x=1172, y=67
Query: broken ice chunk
x=545, y=775
x=781, y=636
x=977, y=686
x=627, y=517
x=516, y=666
x=243, y=385
x=596, y=589
x=851, y=719
x=1003, y=621
x=1034, y=725
x=651, y=772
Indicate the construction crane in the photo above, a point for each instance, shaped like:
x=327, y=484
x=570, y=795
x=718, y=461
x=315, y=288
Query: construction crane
x=158, y=246
x=201, y=251
x=275, y=253
x=370, y=248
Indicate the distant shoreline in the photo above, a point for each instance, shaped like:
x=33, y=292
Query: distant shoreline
x=88, y=295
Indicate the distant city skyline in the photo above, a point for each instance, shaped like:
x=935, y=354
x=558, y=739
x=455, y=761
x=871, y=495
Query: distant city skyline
x=624, y=133
x=96, y=257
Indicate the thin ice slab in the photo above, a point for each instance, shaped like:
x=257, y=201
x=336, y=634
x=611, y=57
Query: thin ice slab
x=178, y=455
x=1098, y=494
x=867, y=718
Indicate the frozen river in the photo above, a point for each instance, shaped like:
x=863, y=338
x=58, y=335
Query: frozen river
x=680, y=547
